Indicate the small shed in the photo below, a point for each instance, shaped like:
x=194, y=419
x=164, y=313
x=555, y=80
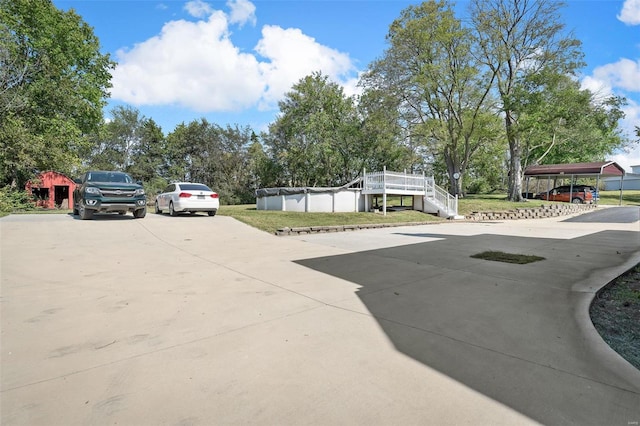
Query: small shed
x=52, y=190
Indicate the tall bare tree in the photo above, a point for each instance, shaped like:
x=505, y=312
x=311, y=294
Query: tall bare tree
x=429, y=67
x=516, y=39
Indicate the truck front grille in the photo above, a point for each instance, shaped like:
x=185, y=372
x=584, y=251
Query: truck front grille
x=117, y=193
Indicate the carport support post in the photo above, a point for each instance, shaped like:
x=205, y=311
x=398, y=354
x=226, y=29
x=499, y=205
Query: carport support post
x=621, y=182
x=384, y=190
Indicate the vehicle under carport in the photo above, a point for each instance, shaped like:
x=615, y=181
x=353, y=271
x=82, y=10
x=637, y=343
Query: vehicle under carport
x=573, y=171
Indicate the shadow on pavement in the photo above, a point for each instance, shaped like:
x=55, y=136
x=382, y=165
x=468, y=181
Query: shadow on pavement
x=515, y=333
x=609, y=215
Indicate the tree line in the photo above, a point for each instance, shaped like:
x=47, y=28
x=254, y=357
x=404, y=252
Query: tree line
x=471, y=102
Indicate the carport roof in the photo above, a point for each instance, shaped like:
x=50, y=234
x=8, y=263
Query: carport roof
x=602, y=168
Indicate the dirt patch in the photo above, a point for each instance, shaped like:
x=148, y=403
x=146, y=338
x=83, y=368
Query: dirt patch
x=615, y=312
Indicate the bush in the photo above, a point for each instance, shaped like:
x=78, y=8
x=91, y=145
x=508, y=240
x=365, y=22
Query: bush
x=12, y=200
x=478, y=186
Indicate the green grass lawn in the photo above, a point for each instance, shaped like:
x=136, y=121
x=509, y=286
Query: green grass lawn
x=270, y=221
x=629, y=198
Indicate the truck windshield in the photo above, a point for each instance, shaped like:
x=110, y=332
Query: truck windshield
x=109, y=177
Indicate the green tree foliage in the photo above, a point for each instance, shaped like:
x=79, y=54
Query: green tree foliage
x=148, y=154
x=316, y=140
x=204, y=152
x=264, y=172
x=441, y=95
x=561, y=123
x=53, y=82
x=382, y=134
x=517, y=39
x=115, y=141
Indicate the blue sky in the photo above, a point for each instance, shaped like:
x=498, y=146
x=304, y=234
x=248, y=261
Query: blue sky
x=231, y=61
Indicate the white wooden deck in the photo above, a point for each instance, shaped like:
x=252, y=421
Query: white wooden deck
x=434, y=199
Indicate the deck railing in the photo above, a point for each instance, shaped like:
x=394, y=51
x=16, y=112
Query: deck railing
x=440, y=196
x=393, y=181
x=389, y=182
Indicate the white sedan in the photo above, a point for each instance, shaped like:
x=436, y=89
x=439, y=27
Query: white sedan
x=187, y=197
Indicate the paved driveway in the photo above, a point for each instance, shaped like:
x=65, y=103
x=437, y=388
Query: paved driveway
x=198, y=320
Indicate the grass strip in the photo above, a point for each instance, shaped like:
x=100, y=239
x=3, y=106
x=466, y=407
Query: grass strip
x=499, y=256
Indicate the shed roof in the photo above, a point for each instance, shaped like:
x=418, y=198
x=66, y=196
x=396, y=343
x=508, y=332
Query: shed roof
x=602, y=168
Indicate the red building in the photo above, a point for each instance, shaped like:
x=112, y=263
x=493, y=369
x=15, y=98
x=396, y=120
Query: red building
x=52, y=190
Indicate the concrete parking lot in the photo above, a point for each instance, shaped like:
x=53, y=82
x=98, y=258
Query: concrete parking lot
x=196, y=321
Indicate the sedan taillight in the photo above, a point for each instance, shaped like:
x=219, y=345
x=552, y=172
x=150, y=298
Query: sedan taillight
x=184, y=195
x=214, y=195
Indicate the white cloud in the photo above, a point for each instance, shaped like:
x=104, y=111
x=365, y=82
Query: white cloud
x=627, y=159
x=630, y=13
x=196, y=65
x=624, y=74
x=242, y=11
x=198, y=8
x=193, y=65
x=291, y=56
x=600, y=88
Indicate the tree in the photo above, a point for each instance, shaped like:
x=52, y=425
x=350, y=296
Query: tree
x=204, y=152
x=148, y=155
x=561, y=123
x=263, y=170
x=381, y=133
x=315, y=140
x=517, y=39
x=117, y=139
x=430, y=69
x=53, y=85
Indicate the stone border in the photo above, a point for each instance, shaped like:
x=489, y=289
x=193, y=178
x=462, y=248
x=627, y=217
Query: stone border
x=544, y=211
x=304, y=230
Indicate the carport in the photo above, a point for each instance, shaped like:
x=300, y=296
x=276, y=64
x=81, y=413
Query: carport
x=574, y=171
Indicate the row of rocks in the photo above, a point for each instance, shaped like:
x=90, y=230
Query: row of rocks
x=303, y=230
x=543, y=211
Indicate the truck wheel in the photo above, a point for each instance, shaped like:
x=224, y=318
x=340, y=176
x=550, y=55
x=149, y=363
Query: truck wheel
x=140, y=213
x=85, y=213
x=576, y=201
x=172, y=212
x=75, y=210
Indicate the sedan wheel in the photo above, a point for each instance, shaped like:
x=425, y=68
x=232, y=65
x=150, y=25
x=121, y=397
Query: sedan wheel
x=172, y=212
x=576, y=201
x=158, y=211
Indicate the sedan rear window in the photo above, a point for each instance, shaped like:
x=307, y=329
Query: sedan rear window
x=194, y=187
